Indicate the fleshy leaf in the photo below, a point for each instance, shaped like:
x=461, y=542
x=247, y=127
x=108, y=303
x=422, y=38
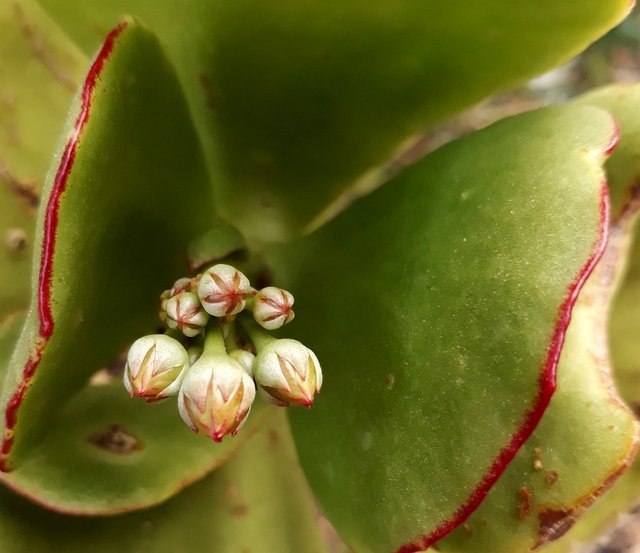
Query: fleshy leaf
x=586, y=440
x=124, y=197
x=623, y=171
x=437, y=307
x=39, y=70
x=107, y=453
x=258, y=502
x=10, y=329
x=296, y=100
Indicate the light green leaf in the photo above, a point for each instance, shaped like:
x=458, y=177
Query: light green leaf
x=587, y=437
x=623, y=171
x=39, y=71
x=123, y=199
x=295, y=100
x=107, y=453
x=258, y=502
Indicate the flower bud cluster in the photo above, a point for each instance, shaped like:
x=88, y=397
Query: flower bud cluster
x=215, y=358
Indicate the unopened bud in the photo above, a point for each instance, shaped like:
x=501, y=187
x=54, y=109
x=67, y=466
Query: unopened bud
x=162, y=313
x=272, y=307
x=288, y=372
x=181, y=285
x=185, y=312
x=223, y=289
x=216, y=396
x=155, y=367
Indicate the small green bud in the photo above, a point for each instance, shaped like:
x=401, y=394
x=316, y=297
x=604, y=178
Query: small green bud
x=272, y=307
x=216, y=396
x=185, y=312
x=223, y=289
x=156, y=365
x=245, y=358
x=288, y=372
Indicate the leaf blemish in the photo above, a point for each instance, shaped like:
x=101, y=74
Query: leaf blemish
x=389, y=381
x=554, y=523
x=537, y=460
x=524, y=502
x=551, y=477
x=116, y=440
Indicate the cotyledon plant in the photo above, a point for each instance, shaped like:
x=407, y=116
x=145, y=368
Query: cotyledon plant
x=459, y=311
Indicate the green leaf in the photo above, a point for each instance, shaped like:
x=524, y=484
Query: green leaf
x=296, y=100
x=587, y=437
x=258, y=502
x=437, y=307
x=107, y=453
x=10, y=329
x=623, y=171
x=624, y=168
x=586, y=440
x=39, y=70
x=124, y=197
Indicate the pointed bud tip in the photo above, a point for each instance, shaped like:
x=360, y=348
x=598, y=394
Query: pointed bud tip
x=155, y=367
x=223, y=289
x=288, y=372
x=216, y=395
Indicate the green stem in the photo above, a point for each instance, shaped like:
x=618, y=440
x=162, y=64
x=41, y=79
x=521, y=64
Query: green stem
x=214, y=340
x=259, y=336
x=175, y=334
x=230, y=335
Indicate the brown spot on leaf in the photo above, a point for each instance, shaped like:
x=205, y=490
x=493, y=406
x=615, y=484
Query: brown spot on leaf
x=467, y=529
x=554, y=523
x=274, y=438
x=389, y=381
x=524, y=502
x=551, y=478
x=116, y=440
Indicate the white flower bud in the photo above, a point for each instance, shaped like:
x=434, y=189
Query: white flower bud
x=216, y=396
x=185, y=312
x=155, y=367
x=272, y=307
x=181, y=285
x=223, y=289
x=245, y=358
x=289, y=372
x=162, y=313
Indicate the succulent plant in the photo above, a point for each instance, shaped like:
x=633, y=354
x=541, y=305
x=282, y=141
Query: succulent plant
x=471, y=309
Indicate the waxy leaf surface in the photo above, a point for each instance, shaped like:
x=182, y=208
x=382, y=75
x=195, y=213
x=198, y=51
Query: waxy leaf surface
x=295, y=100
x=623, y=171
x=438, y=307
x=587, y=437
x=123, y=198
x=258, y=501
x=39, y=71
x=108, y=453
